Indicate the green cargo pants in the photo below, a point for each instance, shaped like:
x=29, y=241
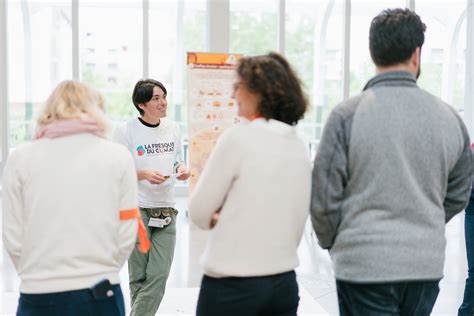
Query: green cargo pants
x=148, y=272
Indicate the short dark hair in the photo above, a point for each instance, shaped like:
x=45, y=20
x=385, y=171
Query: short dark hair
x=394, y=36
x=272, y=77
x=143, y=92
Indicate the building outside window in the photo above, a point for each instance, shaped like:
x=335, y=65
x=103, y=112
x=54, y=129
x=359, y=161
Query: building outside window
x=111, y=43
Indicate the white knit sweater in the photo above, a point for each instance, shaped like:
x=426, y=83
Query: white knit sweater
x=61, y=202
x=260, y=174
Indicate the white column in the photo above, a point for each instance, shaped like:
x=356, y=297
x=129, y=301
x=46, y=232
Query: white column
x=75, y=39
x=180, y=62
x=146, y=38
x=411, y=4
x=450, y=61
x=346, y=47
x=218, y=26
x=469, y=88
x=281, y=27
x=4, y=119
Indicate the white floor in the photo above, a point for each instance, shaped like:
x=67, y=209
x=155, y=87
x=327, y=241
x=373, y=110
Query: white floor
x=315, y=276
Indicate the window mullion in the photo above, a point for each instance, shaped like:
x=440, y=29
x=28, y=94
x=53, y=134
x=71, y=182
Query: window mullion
x=146, y=38
x=4, y=106
x=468, y=96
x=346, y=48
x=75, y=39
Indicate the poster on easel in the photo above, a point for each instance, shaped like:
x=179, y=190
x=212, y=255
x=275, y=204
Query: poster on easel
x=212, y=108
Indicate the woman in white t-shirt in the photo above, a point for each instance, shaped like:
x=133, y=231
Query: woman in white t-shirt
x=155, y=144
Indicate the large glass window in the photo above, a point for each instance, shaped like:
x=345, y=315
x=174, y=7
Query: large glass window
x=443, y=57
x=111, y=58
x=361, y=65
x=253, y=26
x=314, y=47
x=39, y=53
x=176, y=27
x=110, y=37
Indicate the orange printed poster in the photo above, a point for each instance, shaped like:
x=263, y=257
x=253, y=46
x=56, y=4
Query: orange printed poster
x=212, y=108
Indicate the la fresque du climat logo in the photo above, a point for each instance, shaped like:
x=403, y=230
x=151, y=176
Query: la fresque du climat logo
x=155, y=149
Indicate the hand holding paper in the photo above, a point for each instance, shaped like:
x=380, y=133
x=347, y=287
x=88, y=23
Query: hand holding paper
x=183, y=173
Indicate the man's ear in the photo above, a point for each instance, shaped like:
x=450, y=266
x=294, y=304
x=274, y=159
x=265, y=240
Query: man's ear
x=415, y=58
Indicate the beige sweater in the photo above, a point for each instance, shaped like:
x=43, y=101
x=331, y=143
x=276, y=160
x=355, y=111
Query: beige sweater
x=61, y=202
x=260, y=174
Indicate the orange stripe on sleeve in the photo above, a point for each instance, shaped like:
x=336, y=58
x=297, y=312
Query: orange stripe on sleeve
x=125, y=215
x=129, y=214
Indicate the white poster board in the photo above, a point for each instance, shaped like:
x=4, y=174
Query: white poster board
x=211, y=106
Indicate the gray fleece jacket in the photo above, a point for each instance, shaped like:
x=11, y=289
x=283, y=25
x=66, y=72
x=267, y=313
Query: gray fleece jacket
x=393, y=166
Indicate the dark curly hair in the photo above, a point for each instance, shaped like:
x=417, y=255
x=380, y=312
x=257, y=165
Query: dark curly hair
x=394, y=36
x=143, y=92
x=272, y=77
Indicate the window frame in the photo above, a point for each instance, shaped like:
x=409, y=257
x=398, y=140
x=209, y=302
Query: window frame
x=217, y=34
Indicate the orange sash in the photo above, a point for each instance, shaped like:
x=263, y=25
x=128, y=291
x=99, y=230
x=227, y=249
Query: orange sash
x=126, y=215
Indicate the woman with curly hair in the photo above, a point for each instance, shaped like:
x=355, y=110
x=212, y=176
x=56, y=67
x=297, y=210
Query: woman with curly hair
x=254, y=196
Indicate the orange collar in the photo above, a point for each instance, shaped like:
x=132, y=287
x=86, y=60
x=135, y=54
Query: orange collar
x=256, y=117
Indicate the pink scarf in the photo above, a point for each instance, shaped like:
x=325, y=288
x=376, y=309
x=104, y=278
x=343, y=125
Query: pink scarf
x=69, y=127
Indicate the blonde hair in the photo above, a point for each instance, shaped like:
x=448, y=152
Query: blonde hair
x=74, y=100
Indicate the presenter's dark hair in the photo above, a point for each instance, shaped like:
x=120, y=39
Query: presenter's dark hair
x=143, y=92
x=271, y=76
x=394, y=35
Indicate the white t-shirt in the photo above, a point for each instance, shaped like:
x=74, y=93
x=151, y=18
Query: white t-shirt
x=153, y=148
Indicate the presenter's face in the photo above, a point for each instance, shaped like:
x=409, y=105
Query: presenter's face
x=157, y=106
x=248, y=101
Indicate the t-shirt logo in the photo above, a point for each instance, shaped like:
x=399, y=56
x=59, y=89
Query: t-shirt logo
x=140, y=150
x=155, y=149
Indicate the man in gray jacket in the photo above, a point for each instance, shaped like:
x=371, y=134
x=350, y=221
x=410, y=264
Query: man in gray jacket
x=393, y=166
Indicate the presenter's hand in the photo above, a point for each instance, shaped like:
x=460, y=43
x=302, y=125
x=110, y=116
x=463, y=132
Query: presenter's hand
x=215, y=218
x=183, y=173
x=152, y=176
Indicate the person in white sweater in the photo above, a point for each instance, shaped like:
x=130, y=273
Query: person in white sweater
x=254, y=195
x=70, y=209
